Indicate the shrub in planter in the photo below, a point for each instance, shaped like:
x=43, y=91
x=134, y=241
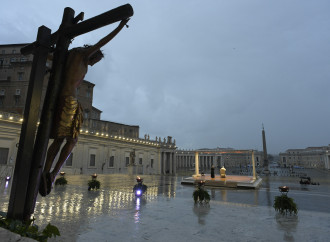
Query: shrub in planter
x=93, y=184
x=284, y=204
x=61, y=181
x=28, y=229
x=200, y=195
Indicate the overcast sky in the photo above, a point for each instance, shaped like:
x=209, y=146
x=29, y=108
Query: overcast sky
x=208, y=73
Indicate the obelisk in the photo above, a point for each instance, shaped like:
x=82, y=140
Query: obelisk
x=266, y=169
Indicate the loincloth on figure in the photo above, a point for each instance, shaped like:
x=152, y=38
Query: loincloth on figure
x=68, y=118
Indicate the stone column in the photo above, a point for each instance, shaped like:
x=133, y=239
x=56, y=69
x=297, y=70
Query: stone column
x=253, y=166
x=196, y=164
x=174, y=163
x=159, y=162
x=171, y=165
x=164, y=162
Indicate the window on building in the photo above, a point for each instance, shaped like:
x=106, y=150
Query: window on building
x=78, y=90
x=4, y=155
x=112, y=161
x=95, y=125
x=152, y=163
x=127, y=161
x=1, y=61
x=3, y=52
x=17, y=99
x=20, y=76
x=140, y=161
x=92, y=160
x=14, y=51
x=88, y=93
x=23, y=59
x=86, y=114
x=1, y=100
x=69, y=160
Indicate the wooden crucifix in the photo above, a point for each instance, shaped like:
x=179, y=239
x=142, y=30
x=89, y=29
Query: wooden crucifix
x=69, y=67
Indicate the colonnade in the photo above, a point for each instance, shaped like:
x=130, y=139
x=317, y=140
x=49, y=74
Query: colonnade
x=168, y=164
x=205, y=161
x=202, y=161
x=197, y=165
x=185, y=161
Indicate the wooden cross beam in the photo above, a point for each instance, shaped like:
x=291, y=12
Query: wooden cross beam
x=110, y=17
x=29, y=164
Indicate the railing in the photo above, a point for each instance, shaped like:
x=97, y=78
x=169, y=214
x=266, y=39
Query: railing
x=10, y=117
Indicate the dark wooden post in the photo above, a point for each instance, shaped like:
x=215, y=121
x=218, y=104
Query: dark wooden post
x=29, y=126
x=48, y=110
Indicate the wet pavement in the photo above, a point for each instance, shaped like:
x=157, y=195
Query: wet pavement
x=167, y=211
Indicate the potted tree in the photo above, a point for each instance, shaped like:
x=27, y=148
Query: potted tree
x=284, y=204
x=61, y=180
x=94, y=184
x=200, y=194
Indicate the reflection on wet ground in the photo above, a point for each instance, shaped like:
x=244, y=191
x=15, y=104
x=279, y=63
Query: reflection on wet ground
x=73, y=206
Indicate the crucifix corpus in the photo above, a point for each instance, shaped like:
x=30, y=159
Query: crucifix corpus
x=61, y=114
x=69, y=114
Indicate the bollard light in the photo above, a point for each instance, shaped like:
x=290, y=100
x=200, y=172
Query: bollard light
x=284, y=189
